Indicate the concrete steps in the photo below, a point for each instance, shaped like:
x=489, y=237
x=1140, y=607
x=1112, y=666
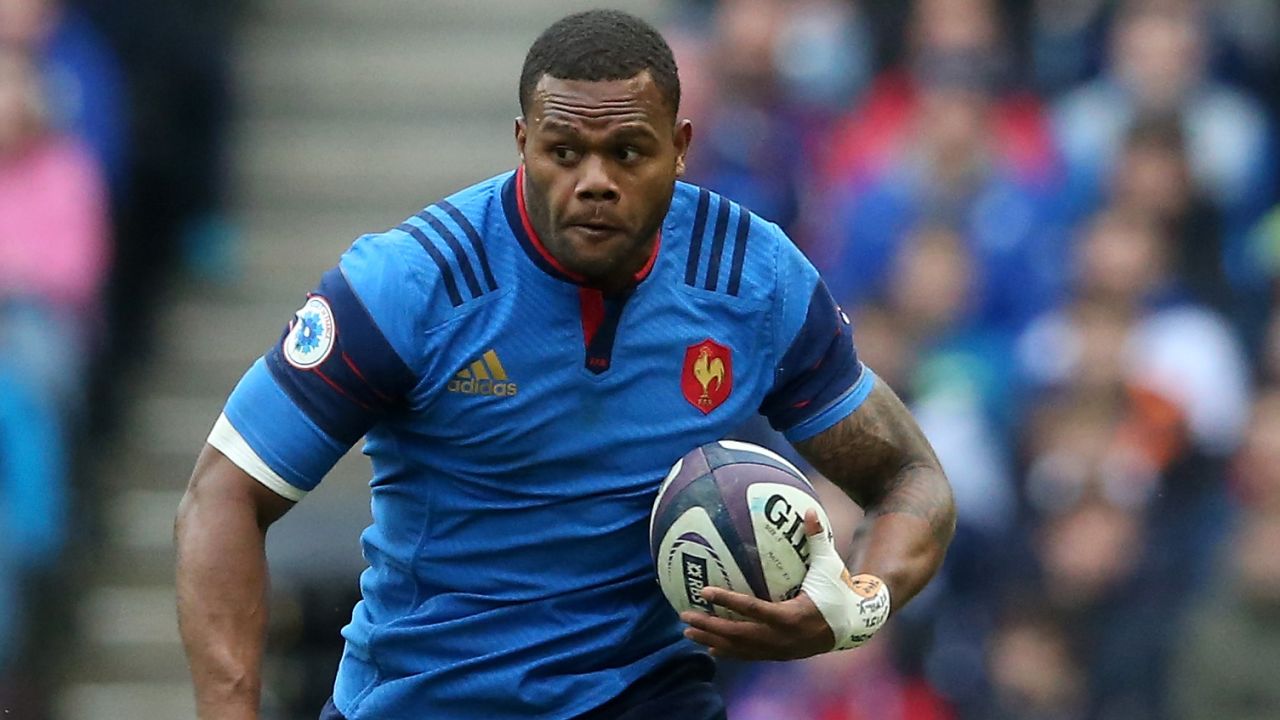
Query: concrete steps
x=394, y=165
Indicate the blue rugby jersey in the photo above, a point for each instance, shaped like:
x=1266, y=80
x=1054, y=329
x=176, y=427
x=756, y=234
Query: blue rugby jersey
x=518, y=425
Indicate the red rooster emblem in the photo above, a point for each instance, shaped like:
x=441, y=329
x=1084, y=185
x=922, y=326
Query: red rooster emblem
x=708, y=375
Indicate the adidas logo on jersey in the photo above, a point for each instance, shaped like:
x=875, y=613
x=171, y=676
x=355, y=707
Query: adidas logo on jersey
x=485, y=376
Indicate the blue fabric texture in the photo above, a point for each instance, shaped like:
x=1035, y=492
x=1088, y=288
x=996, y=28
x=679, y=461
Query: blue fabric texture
x=509, y=572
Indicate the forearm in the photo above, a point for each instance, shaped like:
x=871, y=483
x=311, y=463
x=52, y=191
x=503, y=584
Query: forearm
x=222, y=608
x=903, y=537
x=881, y=459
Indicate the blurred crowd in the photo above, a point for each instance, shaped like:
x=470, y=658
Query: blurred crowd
x=112, y=116
x=1055, y=224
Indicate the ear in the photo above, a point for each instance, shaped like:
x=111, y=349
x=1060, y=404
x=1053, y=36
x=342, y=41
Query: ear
x=683, y=136
x=521, y=136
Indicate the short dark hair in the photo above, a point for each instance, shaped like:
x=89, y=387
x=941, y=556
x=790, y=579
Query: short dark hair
x=601, y=45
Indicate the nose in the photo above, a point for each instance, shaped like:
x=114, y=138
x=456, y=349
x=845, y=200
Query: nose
x=594, y=182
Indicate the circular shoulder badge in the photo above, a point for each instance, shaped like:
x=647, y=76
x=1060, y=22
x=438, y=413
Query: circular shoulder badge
x=312, y=336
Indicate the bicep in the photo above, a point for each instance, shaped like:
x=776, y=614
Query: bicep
x=219, y=483
x=868, y=451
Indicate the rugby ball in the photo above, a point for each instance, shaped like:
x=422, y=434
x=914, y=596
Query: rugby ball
x=731, y=514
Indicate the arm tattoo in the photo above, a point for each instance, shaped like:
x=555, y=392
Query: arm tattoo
x=881, y=459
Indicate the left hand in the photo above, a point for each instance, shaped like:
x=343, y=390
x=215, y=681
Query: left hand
x=830, y=604
x=787, y=630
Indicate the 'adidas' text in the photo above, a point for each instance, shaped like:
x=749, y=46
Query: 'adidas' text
x=471, y=386
x=485, y=376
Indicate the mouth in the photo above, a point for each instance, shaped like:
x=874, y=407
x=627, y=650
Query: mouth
x=596, y=230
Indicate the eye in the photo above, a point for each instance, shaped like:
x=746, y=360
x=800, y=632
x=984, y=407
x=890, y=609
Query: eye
x=565, y=154
x=627, y=153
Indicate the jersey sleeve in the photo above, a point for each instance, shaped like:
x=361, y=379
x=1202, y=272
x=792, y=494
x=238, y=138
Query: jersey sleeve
x=818, y=379
x=337, y=370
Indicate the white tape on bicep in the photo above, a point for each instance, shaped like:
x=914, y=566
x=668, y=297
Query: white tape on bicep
x=855, y=607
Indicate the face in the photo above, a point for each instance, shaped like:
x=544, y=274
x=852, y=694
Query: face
x=601, y=160
x=1089, y=551
x=1122, y=260
x=1032, y=668
x=934, y=280
x=954, y=132
x=1161, y=57
x=950, y=25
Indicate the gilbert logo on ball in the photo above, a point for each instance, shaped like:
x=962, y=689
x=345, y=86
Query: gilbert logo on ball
x=731, y=515
x=312, y=335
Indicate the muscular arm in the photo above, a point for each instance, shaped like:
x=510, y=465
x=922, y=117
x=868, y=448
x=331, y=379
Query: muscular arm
x=881, y=459
x=220, y=534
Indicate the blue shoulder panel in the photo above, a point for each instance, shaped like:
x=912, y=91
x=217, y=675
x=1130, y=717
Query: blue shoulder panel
x=333, y=374
x=817, y=374
x=360, y=379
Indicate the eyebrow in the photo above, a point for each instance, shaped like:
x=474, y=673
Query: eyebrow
x=553, y=125
x=630, y=129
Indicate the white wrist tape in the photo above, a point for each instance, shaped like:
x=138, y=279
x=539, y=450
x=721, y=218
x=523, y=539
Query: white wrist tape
x=854, y=606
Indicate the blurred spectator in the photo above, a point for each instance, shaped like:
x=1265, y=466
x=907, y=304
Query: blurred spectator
x=1230, y=645
x=1034, y=670
x=1065, y=307
x=1153, y=176
x=1091, y=491
x=748, y=151
x=54, y=248
x=1142, y=393
x=1173, y=346
x=949, y=174
x=1158, y=64
x=52, y=255
x=772, y=75
x=82, y=78
x=958, y=377
x=1091, y=557
x=955, y=43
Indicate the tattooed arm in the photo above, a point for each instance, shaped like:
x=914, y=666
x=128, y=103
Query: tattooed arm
x=881, y=459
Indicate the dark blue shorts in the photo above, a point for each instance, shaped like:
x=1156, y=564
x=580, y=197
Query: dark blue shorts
x=680, y=690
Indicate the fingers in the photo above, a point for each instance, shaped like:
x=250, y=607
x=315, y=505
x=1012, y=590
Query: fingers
x=812, y=525
x=748, y=606
x=716, y=644
x=724, y=648
x=779, y=631
x=743, y=640
x=822, y=547
x=721, y=635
